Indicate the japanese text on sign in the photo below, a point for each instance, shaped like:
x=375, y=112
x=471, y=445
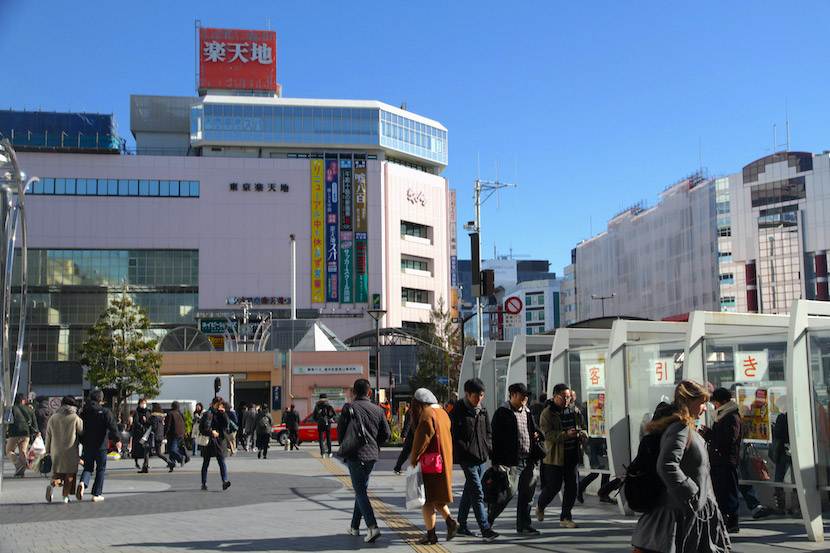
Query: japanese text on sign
x=594, y=374
x=662, y=371
x=751, y=366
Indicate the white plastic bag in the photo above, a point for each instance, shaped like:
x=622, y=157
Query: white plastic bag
x=415, y=493
x=38, y=447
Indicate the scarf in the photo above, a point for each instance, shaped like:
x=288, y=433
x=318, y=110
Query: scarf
x=724, y=410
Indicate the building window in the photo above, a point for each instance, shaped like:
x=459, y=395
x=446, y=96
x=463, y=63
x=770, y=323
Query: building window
x=414, y=264
x=115, y=187
x=724, y=256
x=414, y=229
x=727, y=278
x=414, y=295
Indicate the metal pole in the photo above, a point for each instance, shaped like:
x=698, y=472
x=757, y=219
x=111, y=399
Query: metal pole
x=377, y=360
x=293, y=277
x=477, y=223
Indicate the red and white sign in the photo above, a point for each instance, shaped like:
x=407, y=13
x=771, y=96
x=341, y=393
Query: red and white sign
x=751, y=366
x=513, y=305
x=55, y=402
x=237, y=59
x=662, y=372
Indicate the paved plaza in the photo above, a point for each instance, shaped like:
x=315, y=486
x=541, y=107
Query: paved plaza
x=294, y=501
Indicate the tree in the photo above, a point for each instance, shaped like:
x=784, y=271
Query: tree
x=437, y=355
x=119, y=356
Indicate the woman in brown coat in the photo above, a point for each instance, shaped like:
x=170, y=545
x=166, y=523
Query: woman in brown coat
x=62, y=440
x=433, y=428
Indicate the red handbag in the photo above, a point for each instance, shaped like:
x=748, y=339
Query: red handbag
x=433, y=463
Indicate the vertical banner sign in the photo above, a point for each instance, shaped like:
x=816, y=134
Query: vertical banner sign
x=332, y=242
x=346, y=233
x=318, y=229
x=361, y=292
x=453, y=257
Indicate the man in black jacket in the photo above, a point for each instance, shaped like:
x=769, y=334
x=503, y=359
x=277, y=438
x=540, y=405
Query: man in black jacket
x=362, y=461
x=174, y=427
x=291, y=420
x=514, y=432
x=472, y=441
x=324, y=415
x=99, y=428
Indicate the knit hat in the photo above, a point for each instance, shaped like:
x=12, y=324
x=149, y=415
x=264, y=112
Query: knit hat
x=324, y=396
x=425, y=396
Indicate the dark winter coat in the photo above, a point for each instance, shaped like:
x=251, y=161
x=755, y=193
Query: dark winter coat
x=218, y=421
x=174, y=425
x=472, y=437
x=724, y=440
x=42, y=413
x=263, y=422
x=249, y=418
x=506, y=436
x=374, y=420
x=291, y=420
x=99, y=427
x=24, y=422
x=324, y=414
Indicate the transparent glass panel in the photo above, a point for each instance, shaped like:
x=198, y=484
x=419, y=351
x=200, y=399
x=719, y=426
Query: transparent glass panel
x=819, y=359
x=586, y=377
x=752, y=368
x=654, y=371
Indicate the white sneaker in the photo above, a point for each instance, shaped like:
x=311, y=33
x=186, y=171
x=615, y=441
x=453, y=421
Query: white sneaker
x=96, y=498
x=353, y=532
x=372, y=535
x=49, y=493
x=65, y=499
x=79, y=493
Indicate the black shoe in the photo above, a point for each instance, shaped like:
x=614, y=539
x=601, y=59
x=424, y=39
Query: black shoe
x=226, y=484
x=464, y=531
x=143, y=471
x=204, y=486
x=186, y=460
x=171, y=466
x=579, y=496
x=733, y=525
x=762, y=512
x=528, y=531
x=264, y=455
x=489, y=534
x=259, y=455
x=452, y=528
x=430, y=539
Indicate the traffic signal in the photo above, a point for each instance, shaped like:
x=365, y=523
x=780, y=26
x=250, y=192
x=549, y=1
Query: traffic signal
x=488, y=283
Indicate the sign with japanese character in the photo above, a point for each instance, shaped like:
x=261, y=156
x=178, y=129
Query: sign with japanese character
x=237, y=59
x=318, y=238
x=594, y=374
x=346, y=234
x=751, y=366
x=332, y=171
x=361, y=285
x=662, y=371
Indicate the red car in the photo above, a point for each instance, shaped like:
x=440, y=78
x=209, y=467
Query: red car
x=308, y=430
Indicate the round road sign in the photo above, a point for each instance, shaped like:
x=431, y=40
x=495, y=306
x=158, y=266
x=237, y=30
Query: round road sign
x=54, y=403
x=513, y=305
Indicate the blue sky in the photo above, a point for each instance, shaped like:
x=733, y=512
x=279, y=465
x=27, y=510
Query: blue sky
x=600, y=104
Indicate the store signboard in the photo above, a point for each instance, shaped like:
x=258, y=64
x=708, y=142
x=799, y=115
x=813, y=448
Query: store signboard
x=237, y=59
x=346, y=233
x=318, y=229
x=361, y=228
x=332, y=237
x=327, y=369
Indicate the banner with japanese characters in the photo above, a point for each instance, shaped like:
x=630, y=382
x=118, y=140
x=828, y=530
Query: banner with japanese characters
x=594, y=373
x=751, y=366
x=237, y=59
x=753, y=405
x=318, y=229
x=361, y=291
x=596, y=414
x=346, y=233
x=332, y=237
x=662, y=371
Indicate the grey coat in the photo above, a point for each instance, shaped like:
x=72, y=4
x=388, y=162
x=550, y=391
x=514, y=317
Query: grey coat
x=62, y=439
x=689, y=519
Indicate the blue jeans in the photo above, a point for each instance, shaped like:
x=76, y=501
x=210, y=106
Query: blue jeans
x=175, y=453
x=360, y=472
x=473, y=496
x=223, y=471
x=97, y=459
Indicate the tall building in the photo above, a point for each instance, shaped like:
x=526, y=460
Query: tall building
x=750, y=242
x=197, y=221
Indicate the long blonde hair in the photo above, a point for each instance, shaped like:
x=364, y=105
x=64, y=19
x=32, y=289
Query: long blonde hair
x=686, y=392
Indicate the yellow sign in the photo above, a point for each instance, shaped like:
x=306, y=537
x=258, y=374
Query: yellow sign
x=318, y=233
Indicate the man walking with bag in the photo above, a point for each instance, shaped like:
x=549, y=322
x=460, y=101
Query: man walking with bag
x=363, y=424
x=324, y=415
x=472, y=441
x=99, y=429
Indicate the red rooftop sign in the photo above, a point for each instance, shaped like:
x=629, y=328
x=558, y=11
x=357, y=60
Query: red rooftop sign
x=237, y=59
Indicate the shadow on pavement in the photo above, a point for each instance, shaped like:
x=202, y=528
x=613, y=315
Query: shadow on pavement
x=339, y=542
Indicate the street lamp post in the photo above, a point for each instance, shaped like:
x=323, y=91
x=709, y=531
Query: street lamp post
x=377, y=315
x=602, y=299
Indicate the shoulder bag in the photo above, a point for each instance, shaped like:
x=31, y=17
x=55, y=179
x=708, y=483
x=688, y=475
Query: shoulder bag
x=433, y=462
x=354, y=437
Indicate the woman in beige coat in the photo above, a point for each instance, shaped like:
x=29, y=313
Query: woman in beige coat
x=65, y=427
x=433, y=427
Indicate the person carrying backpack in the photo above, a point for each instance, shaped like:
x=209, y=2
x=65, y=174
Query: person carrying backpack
x=687, y=517
x=324, y=415
x=262, y=427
